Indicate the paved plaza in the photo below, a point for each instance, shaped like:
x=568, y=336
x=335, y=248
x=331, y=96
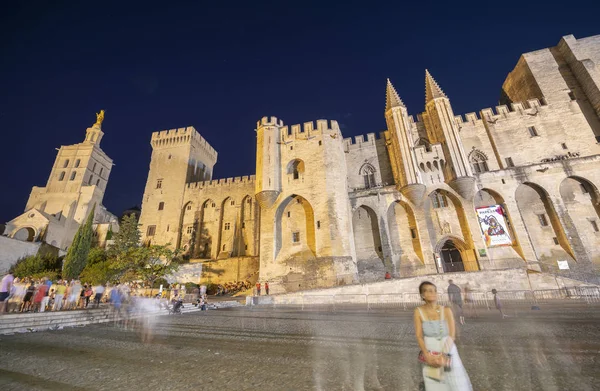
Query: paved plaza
x=556, y=348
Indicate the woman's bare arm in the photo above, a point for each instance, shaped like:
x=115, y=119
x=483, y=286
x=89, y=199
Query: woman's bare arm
x=450, y=321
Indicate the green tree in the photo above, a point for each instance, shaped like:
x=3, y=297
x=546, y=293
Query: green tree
x=127, y=238
x=98, y=273
x=37, y=266
x=77, y=255
x=96, y=255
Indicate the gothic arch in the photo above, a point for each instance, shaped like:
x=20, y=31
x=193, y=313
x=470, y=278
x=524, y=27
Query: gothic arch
x=446, y=216
x=478, y=161
x=404, y=233
x=295, y=168
x=488, y=197
x=542, y=223
x=582, y=201
x=367, y=243
x=367, y=171
x=295, y=229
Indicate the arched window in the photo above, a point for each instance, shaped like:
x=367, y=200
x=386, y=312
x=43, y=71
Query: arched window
x=478, y=161
x=438, y=200
x=98, y=182
x=101, y=169
x=73, y=176
x=94, y=168
x=368, y=173
x=77, y=162
x=161, y=205
x=66, y=163
x=90, y=181
x=61, y=176
x=295, y=167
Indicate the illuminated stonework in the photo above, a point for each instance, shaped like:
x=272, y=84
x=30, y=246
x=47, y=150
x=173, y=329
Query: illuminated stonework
x=336, y=210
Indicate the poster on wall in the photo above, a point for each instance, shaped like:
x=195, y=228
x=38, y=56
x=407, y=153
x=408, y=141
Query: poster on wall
x=493, y=226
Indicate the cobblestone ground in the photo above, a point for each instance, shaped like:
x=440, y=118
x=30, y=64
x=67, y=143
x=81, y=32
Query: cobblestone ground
x=265, y=349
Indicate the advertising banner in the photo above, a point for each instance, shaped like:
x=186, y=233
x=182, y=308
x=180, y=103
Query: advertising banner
x=493, y=226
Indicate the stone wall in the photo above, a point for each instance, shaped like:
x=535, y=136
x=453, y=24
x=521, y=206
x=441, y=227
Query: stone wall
x=11, y=250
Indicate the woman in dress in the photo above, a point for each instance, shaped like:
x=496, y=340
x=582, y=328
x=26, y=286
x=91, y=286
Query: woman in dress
x=434, y=326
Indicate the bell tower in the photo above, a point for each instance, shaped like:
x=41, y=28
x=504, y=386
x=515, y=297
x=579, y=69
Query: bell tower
x=442, y=128
x=402, y=156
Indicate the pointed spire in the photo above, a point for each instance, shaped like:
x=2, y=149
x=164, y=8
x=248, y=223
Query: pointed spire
x=391, y=97
x=432, y=88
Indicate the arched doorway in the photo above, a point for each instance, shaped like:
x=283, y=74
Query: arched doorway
x=453, y=253
x=451, y=259
x=25, y=234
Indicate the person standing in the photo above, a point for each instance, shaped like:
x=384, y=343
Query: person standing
x=5, y=287
x=59, y=294
x=258, y=288
x=455, y=296
x=46, y=298
x=99, y=293
x=498, y=303
x=267, y=287
x=443, y=369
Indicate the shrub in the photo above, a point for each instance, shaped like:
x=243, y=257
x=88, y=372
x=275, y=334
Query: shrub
x=37, y=265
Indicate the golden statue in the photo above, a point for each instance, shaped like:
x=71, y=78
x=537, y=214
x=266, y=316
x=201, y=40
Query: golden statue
x=99, y=118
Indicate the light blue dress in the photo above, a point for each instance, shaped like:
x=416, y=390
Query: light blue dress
x=435, y=334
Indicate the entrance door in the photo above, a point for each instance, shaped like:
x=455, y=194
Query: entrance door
x=451, y=259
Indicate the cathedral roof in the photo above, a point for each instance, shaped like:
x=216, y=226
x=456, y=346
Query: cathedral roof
x=391, y=97
x=432, y=88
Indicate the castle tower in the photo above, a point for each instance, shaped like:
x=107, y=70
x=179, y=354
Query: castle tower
x=76, y=183
x=268, y=161
x=179, y=156
x=442, y=128
x=402, y=158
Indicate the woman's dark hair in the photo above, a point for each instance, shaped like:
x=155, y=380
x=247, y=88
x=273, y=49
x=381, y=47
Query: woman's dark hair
x=424, y=284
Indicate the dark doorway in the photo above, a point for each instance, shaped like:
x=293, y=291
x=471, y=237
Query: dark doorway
x=451, y=259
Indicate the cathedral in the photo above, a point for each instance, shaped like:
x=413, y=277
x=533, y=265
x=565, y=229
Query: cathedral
x=76, y=185
x=515, y=186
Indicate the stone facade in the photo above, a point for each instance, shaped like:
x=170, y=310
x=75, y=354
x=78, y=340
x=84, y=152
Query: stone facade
x=76, y=184
x=323, y=210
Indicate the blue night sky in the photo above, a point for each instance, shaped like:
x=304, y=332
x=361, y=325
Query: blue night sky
x=220, y=66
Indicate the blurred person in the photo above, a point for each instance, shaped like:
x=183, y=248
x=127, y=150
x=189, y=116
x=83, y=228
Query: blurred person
x=26, y=305
x=455, y=296
x=46, y=299
x=87, y=294
x=498, y=303
x=258, y=288
x=5, y=288
x=39, y=296
x=435, y=331
x=99, y=292
x=61, y=290
x=470, y=300
x=267, y=287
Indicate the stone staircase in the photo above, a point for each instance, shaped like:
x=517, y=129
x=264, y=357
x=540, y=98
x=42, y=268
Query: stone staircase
x=41, y=321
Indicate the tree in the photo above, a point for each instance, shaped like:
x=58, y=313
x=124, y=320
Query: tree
x=127, y=238
x=37, y=265
x=157, y=262
x=77, y=255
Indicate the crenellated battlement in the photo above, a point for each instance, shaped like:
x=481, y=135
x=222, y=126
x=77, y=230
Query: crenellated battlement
x=308, y=130
x=266, y=121
x=238, y=180
x=182, y=136
x=360, y=140
x=530, y=107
